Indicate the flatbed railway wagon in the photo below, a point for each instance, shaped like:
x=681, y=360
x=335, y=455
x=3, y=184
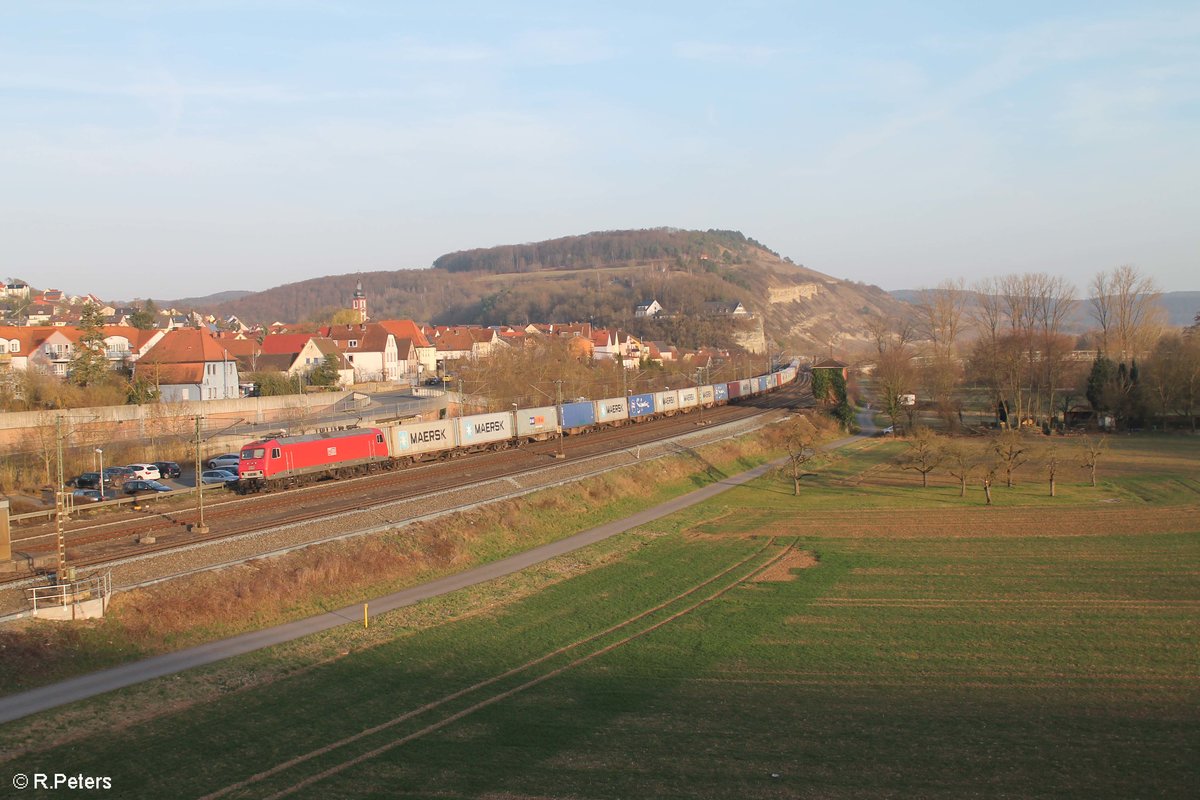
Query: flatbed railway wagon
x=285, y=461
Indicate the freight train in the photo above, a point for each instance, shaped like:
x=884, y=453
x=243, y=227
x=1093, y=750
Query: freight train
x=286, y=461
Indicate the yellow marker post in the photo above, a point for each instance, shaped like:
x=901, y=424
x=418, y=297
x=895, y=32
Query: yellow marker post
x=366, y=621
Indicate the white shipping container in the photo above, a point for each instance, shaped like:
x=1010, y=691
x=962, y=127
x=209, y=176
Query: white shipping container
x=484, y=428
x=423, y=437
x=613, y=408
x=707, y=396
x=687, y=398
x=532, y=421
x=667, y=402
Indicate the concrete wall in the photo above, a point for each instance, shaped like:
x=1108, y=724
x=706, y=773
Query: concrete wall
x=109, y=423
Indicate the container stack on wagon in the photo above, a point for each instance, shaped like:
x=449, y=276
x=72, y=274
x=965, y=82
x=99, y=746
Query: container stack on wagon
x=284, y=461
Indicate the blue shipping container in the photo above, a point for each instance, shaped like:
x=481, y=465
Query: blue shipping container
x=762, y=383
x=720, y=392
x=578, y=415
x=641, y=404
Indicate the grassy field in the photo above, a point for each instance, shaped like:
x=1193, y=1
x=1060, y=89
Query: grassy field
x=759, y=646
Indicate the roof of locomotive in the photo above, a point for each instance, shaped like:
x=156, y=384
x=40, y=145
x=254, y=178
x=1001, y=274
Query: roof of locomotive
x=313, y=437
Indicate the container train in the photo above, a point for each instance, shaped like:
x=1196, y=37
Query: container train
x=287, y=461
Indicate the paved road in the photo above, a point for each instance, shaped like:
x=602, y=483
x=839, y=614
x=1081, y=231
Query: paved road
x=69, y=691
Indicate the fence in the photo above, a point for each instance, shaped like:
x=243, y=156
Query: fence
x=76, y=599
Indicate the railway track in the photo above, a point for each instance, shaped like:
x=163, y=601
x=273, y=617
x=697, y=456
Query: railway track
x=91, y=544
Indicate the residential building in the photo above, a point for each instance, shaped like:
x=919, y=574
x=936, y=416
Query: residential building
x=189, y=364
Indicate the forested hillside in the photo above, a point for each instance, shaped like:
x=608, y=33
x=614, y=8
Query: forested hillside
x=605, y=249
x=601, y=278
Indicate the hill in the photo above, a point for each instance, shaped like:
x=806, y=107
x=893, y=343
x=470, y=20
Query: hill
x=601, y=277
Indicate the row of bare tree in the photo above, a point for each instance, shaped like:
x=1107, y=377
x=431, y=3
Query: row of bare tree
x=1010, y=335
x=1003, y=454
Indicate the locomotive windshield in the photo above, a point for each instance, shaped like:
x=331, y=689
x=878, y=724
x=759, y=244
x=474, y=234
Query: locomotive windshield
x=256, y=452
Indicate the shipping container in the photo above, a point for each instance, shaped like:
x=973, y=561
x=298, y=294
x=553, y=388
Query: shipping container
x=720, y=393
x=423, y=437
x=578, y=415
x=535, y=422
x=688, y=398
x=667, y=402
x=481, y=429
x=706, y=396
x=746, y=387
x=762, y=383
x=641, y=405
x=612, y=409
x=734, y=389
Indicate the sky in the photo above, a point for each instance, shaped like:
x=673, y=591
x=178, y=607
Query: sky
x=175, y=149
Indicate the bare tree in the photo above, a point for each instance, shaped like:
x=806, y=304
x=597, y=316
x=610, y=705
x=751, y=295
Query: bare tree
x=1051, y=460
x=895, y=375
x=989, y=475
x=1125, y=304
x=924, y=453
x=961, y=461
x=1010, y=448
x=1093, y=449
x=940, y=314
x=798, y=441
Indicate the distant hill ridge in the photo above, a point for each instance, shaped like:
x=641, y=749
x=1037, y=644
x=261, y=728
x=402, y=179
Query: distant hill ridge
x=601, y=249
x=601, y=277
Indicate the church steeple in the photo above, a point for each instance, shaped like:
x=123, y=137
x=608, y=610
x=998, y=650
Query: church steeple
x=359, y=303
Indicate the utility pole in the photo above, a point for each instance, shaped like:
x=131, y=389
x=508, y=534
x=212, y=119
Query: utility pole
x=558, y=393
x=199, y=527
x=60, y=505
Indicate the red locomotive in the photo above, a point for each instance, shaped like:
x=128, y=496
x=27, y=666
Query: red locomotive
x=286, y=461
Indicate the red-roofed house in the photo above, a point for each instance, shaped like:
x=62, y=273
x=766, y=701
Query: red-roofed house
x=421, y=354
x=190, y=364
x=369, y=347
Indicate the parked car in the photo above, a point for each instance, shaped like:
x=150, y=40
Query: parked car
x=89, y=480
x=168, y=469
x=147, y=472
x=84, y=496
x=117, y=475
x=217, y=476
x=138, y=486
x=225, y=461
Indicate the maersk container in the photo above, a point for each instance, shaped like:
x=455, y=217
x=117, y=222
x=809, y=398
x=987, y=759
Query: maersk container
x=640, y=405
x=706, y=396
x=667, y=402
x=479, y=429
x=612, y=409
x=720, y=392
x=537, y=421
x=423, y=437
x=746, y=386
x=578, y=415
x=688, y=398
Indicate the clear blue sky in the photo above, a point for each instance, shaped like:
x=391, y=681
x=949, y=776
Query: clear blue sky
x=181, y=148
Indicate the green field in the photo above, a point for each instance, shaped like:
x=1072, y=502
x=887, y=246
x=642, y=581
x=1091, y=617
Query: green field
x=939, y=652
